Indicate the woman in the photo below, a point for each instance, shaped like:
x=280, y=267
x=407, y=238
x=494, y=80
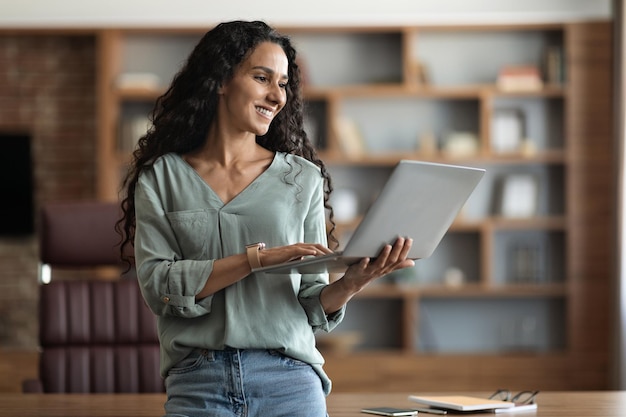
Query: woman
x=226, y=165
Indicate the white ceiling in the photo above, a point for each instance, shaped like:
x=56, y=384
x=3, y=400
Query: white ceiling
x=138, y=13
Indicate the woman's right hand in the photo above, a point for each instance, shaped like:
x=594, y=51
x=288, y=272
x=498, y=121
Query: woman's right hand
x=227, y=271
x=280, y=254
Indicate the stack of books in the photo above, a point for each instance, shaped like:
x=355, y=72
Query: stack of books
x=520, y=78
x=461, y=403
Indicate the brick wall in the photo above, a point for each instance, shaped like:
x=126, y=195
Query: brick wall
x=47, y=90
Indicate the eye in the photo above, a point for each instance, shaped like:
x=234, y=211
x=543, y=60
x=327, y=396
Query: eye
x=261, y=78
x=283, y=85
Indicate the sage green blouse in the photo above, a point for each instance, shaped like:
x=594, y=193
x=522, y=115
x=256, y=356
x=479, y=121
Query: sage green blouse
x=183, y=226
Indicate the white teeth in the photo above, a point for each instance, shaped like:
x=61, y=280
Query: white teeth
x=264, y=111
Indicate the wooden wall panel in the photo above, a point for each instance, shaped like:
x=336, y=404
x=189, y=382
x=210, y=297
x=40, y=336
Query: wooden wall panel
x=591, y=208
x=410, y=373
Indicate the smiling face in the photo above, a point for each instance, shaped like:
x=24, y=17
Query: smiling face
x=257, y=91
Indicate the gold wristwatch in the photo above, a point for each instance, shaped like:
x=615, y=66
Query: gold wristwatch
x=252, y=251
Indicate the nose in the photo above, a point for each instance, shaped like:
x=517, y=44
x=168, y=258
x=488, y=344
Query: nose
x=277, y=95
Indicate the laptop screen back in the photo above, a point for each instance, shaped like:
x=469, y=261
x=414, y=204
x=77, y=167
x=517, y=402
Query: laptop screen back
x=420, y=200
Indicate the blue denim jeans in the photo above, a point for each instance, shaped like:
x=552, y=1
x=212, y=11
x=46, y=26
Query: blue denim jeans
x=243, y=383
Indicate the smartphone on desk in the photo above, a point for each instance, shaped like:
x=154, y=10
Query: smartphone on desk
x=389, y=411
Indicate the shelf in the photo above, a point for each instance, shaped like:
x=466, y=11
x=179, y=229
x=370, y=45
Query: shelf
x=373, y=355
x=557, y=223
x=417, y=291
x=139, y=94
x=551, y=157
x=496, y=291
x=426, y=91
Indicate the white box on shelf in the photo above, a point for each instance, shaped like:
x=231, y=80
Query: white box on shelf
x=519, y=195
x=507, y=130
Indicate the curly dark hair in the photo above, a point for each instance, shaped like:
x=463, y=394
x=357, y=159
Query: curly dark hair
x=183, y=114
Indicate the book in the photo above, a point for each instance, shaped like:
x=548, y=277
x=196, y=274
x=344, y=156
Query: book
x=389, y=411
x=517, y=408
x=520, y=78
x=461, y=402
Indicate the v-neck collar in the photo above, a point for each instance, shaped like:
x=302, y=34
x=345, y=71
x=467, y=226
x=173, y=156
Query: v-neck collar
x=247, y=189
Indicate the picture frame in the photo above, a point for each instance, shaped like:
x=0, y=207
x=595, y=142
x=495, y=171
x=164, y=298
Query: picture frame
x=507, y=130
x=518, y=196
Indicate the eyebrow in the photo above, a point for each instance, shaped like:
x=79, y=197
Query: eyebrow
x=269, y=71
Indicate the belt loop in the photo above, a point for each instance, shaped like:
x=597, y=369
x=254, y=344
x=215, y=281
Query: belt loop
x=208, y=353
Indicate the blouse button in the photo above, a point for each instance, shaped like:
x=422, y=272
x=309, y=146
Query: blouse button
x=166, y=299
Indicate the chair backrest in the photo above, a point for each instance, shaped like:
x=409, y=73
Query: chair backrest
x=95, y=335
x=78, y=234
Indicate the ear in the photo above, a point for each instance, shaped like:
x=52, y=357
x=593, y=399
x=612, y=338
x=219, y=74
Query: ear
x=223, y=87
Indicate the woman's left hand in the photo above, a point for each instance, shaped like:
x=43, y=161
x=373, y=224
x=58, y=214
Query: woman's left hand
x=390, y=258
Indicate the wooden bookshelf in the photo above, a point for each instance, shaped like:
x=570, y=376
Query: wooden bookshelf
x=571, y=123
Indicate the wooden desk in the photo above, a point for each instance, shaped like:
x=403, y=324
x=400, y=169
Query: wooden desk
x=551, y=404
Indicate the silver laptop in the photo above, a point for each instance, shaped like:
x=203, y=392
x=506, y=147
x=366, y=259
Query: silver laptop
x=420, y=200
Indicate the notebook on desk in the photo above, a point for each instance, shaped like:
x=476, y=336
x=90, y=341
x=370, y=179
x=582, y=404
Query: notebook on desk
x=420, y=200
x=461, y=402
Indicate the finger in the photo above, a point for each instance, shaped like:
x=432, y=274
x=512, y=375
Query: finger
x=323, y=249
x=396, y=251
x=383, y=256
x=395, y=254
x=318, y=248
x=407, y=263
x=408, y=243
x=299, y=252
x=356, y=269
x=402, y=247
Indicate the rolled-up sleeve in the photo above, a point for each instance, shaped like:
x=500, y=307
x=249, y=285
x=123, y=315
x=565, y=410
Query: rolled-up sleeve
x=318, y=319
x=169, y=283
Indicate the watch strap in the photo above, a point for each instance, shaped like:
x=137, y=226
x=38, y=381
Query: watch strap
x=252, y=251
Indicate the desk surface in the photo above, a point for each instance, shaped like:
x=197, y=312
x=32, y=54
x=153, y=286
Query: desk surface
x=551, y=404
